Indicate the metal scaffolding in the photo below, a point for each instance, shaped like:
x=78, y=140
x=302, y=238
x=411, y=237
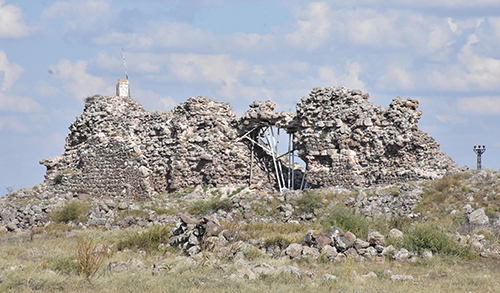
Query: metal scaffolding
x=265, y=138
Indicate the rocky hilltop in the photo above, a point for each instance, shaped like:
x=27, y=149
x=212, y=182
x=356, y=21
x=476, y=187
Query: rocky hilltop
x=116, y=148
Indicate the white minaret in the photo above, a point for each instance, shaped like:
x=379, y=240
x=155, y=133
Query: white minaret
x=122, y=88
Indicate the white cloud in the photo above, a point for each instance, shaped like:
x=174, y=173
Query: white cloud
x=11, y=71
x=77, y=81
x=168, y=102
x=453, y=119
x=480, y=105
x=163, y=35
x=46, y=89
x=83, y=15
x=330, y=25
x=349, y=77
x=131, y=40
x=396, y=78
x=371, y=27
x=251, y=41
x=11, y=122
x=449, y=3
x=18, y=104
x=12, y=21
x=481, y=71
x=471, y=71
x=193, y=68
x=313, y=29
x=453, y=4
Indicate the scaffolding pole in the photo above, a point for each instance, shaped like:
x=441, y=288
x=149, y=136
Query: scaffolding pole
x=293, y=163
x=289, y=163
x=303, y=178
x=251, y=165
x=278, y=161
x=269, y=141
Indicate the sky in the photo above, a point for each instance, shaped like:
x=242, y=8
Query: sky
x=53, y=54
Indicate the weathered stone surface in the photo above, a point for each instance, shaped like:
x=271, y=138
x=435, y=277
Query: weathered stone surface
x=394, y=233
x=293, y=250
x=329, y=252
x=478, y=217
x=116, y=148
x=375, y=238
x=345, y=140
x=402, y=278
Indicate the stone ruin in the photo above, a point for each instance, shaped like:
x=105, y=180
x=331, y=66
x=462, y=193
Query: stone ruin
x=116, y=148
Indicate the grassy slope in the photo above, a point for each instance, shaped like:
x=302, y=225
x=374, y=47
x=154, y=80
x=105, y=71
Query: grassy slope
x=47, y=261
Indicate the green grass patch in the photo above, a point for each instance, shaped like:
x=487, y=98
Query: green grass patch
x=134, y=213
x=347, y=220
x=203, y=207
x=72, y=211
x=148, y=240
x=235, y=192
x=308, y=202
x=431, y=237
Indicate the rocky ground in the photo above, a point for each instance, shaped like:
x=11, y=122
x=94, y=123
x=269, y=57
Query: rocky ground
x=253, y=234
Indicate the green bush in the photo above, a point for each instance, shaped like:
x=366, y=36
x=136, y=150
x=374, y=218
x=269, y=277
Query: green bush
x=281, y=241
x=347, y=220
x=235, y=192
x=432, y=237
x=203, y=207
x=64, y=265
x=149, y=240
x=73, y=211
x=58, y=179
x=309, y=201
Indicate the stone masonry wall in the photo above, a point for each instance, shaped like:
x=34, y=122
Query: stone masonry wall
x=348, y=141
x=116, y=148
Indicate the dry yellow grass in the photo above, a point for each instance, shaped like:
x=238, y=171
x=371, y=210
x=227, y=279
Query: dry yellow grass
x=47, y=264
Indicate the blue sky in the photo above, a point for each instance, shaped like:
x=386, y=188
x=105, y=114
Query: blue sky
x=53, y=54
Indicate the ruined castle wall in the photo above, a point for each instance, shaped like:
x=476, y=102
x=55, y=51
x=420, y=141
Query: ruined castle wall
x=346, y=140
x=116, y=148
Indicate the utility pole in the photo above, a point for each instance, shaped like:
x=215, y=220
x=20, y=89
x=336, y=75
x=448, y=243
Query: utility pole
x=479, y=151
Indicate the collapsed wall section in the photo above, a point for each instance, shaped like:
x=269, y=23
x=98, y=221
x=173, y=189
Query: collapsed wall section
x=348, y=141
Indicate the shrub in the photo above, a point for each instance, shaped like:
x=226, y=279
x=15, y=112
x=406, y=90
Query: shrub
x=203, y=207
x=90, y=256
x=347, y=220
x=72, y=211
x=58, y=179
x=238, y=190
x=65, y=265
x=251, y=253
x=148, y=240
x=280, y=241
x=432, y=237
x=309, y=201
x=445, y=183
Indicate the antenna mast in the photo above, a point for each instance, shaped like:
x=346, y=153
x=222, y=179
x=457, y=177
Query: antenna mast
x=479, y=151
x=124, y=64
